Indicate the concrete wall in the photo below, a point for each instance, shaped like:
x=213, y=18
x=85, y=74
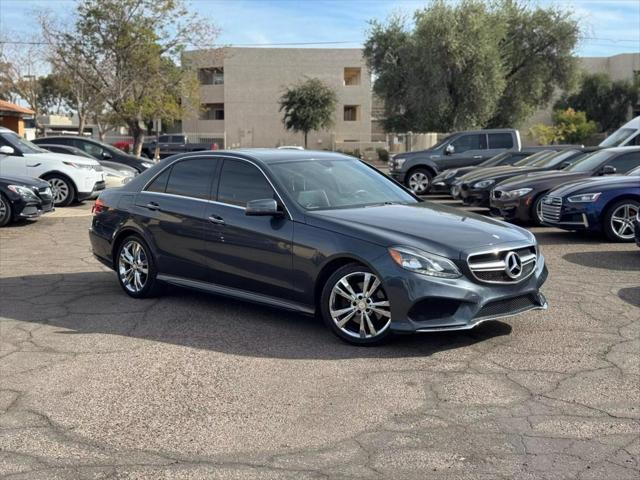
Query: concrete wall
x=254, y=80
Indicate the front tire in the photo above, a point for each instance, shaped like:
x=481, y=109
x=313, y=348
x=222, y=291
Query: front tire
x=618, y=221
x=536, y=211
x=5, y=211
x=136, y=268
x=355, y=306
x=64, y=192
x=419, y=181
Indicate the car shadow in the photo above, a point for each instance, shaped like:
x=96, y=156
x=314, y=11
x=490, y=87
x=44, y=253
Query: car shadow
x=630, y=295
x=92, y=302
x=608, y=260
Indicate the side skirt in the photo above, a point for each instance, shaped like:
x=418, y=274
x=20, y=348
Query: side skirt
x=236, y=293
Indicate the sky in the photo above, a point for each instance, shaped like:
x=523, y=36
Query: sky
x=609, y=26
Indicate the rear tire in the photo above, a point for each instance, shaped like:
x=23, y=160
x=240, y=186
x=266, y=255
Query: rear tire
x=136, y=268
x=355, y=307
x=5, y=211
x=618, y=220
x=419, y=181
x=64, y=192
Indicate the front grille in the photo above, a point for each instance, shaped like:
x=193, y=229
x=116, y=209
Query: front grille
x=501, y=266
x=551, y=208
x=507, y=306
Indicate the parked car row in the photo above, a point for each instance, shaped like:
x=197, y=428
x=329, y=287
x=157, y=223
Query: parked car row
x=37, y=176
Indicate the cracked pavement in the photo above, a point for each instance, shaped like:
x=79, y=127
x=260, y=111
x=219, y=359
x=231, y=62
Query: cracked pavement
x=96, y=385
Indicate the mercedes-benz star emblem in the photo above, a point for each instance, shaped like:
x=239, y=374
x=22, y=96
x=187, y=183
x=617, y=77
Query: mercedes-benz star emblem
x=513, y=265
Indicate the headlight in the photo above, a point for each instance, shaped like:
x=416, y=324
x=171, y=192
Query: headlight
x=24, y=192
x=521, y=192
x=147, y=164
x=450, y=174
x=399, y=162
x=425, y=263
x=584, y=197
x=484, y=184
x=81, y=165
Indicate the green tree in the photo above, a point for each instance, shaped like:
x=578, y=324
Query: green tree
x=307, y=106
x=605, y=101
x=128, y=52
x=569, y=126
x=470, y=64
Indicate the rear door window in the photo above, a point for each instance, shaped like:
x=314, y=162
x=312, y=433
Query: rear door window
x=159, y=184
x=500, y=140
x=192, y=178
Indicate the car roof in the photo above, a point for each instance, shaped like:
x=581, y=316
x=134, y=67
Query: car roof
x=274, y=155
x=622, y=149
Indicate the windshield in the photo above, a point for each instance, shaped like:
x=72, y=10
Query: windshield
x=617, y=137
x=534, y=158
x=490, y=162
x=25, y=146
x=340, y=183
x=590, y=162
x=556, y=159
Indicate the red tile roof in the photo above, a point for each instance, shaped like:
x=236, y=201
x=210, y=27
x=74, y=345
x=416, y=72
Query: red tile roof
x=13, y=108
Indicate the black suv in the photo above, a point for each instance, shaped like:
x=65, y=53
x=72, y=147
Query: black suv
x=462, y=149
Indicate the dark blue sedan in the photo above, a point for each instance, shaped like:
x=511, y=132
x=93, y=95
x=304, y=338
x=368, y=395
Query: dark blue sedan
x=608, y=205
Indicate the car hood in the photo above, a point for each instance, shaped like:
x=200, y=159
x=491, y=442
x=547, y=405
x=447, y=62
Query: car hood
x=63, y=157
x=542, y=180
x=24, y=181
x=435, y=228
x=594, y=184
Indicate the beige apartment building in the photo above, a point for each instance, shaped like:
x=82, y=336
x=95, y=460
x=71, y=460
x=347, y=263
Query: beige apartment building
x=240, y=89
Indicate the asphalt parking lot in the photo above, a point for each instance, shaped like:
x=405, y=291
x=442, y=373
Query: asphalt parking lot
x=94, y=384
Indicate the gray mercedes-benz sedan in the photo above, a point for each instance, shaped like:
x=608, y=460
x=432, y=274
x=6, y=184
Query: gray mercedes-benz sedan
x=315, y=232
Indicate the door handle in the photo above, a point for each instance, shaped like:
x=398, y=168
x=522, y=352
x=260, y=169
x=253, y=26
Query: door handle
x=34, y=165
x=477, y=156
x=216, y=219
x=152, y=206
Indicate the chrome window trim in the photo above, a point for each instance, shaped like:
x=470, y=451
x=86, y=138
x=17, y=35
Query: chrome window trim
x=529, y=259
x=221, y=157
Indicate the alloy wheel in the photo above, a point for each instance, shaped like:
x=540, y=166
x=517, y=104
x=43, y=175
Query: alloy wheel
x=622, y=221
x=3, y=209
x=359, y=306
x=133, y=266
x=60, y=190
x=418, y=182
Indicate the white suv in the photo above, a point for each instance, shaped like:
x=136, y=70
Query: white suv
x=71, y=178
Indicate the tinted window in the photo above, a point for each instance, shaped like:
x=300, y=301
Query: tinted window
x=192, y=178
x=163, y=139
x=159, y=184
x=618, y=137
x=635, y=141
x=241, y=182
x=591, y=162
x=500, y=140
x=177, y=139
x=470, y=142
x=91, y=148
x=624, y=163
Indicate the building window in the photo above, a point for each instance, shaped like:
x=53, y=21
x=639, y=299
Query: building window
x=211, y=76
x=352, y=76
x=351, y=113
x=212, y=111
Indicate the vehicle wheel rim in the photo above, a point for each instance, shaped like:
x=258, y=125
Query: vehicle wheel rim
x=359, y=306
x=60, y=190
x=539, y=211
x=622, y=221
x=133, y=266
x=3, y=209
x=418, y=182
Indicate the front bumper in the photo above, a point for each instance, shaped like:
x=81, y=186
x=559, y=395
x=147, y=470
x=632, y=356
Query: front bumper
x=473, y=196
x=512, y=208
x=567, y=216
x=95, y=191
x=398, y=176
x=426, y=304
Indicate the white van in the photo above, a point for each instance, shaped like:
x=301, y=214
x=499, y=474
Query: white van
x=71, y=178
x=627, y=135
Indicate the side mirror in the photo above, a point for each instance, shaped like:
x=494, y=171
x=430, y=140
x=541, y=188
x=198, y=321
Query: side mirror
x=608, y=170
x=450, y=149
x=7, y=150
x=106, y=155
x=266, y=207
